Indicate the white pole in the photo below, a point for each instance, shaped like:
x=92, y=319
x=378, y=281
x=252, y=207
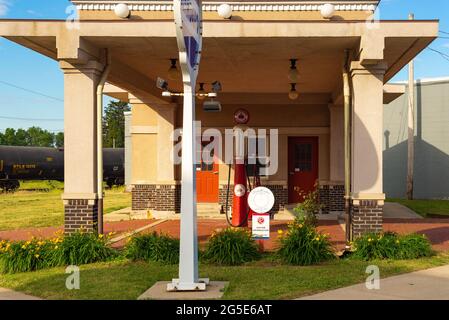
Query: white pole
x=188, y=259
x=411, y=125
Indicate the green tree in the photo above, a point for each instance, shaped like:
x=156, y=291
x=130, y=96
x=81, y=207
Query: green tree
x=59, y=140
x=33, y=137
x=9, y=137
x=114, y=124
x=40, y=138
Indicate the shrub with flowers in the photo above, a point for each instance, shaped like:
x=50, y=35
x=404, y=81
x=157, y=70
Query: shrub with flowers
x=390, y=245
x=22, y=256
x=35, y=254
x=83, y=248
x=303, y=245
x=231, y=246
x=153, y=247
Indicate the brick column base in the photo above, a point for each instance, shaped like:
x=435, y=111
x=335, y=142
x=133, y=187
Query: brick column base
x=366, y=217
x=332, y=197
x=80, y=214
x=160, y=197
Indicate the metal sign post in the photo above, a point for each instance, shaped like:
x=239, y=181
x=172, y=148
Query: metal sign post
x=188, y=21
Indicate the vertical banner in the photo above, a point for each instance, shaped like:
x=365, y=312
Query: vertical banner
x=188, y=22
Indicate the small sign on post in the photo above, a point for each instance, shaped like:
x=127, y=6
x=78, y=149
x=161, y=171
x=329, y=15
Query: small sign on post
x=189, y=26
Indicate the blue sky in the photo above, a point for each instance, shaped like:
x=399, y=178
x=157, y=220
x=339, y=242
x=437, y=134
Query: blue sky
x=27, y=69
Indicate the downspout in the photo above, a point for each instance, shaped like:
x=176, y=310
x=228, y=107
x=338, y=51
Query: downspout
x=347, y=147
x=100, y=89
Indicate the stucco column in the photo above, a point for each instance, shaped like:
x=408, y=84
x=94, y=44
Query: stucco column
x=80, y=186
x=332, y=192
x=367, y=138
x=336, y=143
x=153, y=174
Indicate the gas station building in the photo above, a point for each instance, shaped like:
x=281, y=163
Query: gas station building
x=250, y=54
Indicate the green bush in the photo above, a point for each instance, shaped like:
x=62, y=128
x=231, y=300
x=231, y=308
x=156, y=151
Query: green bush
x=83, y=248
x=303, y=245
x=390, y=245
x=79, y=248
x=231, y=247
x=23, y=256
x=153, y=247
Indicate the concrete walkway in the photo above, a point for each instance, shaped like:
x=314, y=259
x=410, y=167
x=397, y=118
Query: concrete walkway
x=393, y=210
x=431, y=284
x=8, y=294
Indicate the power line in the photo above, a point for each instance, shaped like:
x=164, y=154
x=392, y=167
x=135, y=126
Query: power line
x=444, y=32
x=29, y=119
x=442, y=54
x=31, y=91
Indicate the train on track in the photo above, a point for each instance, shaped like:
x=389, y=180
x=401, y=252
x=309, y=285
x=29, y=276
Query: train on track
x=36, y=163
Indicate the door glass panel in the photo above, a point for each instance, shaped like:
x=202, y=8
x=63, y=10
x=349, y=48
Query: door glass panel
x=204, y=164
x=303, y=157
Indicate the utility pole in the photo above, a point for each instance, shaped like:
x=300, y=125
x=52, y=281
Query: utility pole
x=411, y=124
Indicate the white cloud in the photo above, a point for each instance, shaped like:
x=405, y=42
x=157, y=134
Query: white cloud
x=4, y=6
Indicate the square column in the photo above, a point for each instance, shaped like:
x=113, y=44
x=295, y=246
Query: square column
x=367, y=137
x=80, y=171
x=153, y=176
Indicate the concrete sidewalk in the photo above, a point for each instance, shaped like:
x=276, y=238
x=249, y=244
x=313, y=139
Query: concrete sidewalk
x=8, y=294
x=430, y=284
x=393, y=210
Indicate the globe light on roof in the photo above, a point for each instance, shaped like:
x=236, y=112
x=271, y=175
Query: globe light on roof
x=328, y=10
x=225, y=11
x=122, y=11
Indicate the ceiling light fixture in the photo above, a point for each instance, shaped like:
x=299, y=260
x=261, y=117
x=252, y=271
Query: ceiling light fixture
x=293, y=94
x=173, y=73
x=293, y=74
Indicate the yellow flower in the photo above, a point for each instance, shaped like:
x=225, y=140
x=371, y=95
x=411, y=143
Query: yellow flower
x=397, y=241
x=317, y=238
x=24, y=246
x=36, y=255
x=100, y=236
x=369, y=240
x=56, y=247
x=280, y=231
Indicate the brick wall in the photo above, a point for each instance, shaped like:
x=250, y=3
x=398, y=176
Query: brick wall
x=366, y=217
x=332, y=197
x=156, y=197
x=80, y=214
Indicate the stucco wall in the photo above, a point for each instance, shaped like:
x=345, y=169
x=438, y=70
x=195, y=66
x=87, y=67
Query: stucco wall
x=431, y=143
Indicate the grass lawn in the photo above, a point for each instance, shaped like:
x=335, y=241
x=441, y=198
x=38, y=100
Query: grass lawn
x=127, y=280
x=425, y=207
x=28, y=209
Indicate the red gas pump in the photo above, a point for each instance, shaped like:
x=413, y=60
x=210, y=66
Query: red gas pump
x=240, y=209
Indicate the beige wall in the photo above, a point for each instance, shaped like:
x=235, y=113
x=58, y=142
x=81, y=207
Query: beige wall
x=152, y=127
x=336, y=143
x=144, y=140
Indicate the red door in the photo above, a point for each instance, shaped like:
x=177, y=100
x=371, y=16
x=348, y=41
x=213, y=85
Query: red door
x=206, y=178
x=302, y=167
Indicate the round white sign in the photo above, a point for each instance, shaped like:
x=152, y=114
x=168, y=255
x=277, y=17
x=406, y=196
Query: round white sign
x=261, y=200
